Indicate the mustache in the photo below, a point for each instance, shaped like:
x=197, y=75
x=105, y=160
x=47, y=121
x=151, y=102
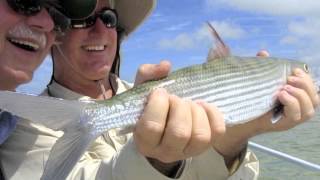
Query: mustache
x=24, y=31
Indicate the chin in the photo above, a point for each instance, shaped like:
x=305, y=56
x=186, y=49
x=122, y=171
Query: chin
x=103, y=72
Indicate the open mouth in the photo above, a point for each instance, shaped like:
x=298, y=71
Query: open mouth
x=94, y=48
x=26, y=45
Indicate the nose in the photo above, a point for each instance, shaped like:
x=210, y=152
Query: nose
x=41, y=21
x=99, y=25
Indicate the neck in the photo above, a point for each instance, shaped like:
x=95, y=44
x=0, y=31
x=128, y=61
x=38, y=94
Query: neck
x=95, y=89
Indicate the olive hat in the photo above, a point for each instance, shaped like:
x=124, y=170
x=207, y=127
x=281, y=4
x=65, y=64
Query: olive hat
x=132, y=13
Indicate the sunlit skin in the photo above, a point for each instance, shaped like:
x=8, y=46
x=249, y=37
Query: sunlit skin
x=88, y=55
x=17, y=64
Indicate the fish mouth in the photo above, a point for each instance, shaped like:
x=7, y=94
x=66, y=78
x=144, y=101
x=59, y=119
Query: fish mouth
x=27, y=45
x=94, y=48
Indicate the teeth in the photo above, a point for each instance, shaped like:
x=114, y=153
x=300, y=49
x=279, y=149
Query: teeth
x=94, y=48
x=26, y=43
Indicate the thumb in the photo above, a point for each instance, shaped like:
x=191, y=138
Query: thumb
x=147, y=72
x=263, y=53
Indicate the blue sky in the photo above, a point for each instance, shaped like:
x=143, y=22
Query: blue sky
x=177, y=31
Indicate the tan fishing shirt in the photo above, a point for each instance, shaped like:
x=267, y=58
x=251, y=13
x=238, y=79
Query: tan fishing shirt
x=110, y=157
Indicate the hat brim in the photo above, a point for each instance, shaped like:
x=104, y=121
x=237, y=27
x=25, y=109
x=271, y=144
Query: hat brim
x=133, y=12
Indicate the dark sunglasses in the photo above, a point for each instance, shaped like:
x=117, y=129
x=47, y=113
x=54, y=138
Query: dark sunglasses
x=26, y=7
x=108, y=16
x=61, y=11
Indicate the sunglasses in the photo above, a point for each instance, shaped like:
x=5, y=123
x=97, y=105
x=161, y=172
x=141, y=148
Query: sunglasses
x=61, y=11
x=26, y=7
x=108, y=16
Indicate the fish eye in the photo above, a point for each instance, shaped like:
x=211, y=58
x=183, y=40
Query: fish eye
x=306, y=68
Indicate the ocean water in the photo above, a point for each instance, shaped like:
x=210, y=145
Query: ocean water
x=302, y=142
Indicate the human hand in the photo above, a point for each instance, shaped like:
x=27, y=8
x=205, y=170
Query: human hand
x=147, y=72
x=173, y=129
x=299, y=97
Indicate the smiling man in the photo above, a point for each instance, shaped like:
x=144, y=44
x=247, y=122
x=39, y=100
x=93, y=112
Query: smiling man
x=26, y=36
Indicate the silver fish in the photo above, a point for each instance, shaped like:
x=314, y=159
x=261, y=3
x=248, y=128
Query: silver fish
x=242, y=88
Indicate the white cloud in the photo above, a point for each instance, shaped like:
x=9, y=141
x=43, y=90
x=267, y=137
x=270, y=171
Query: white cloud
x=177, y=27
x=306, y=37
x=289, y=40
x=202, y=36
x=309, y=28
x=272, y=7
x=181, y=42
x=228, y=30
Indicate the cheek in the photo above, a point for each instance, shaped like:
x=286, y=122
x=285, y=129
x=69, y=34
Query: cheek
x=113, y=40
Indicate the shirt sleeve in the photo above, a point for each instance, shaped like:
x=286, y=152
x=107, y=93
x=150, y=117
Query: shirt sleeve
x=248, y=169
x=7, y=125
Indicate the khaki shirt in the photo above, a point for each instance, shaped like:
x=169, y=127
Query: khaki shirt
x=110, y=157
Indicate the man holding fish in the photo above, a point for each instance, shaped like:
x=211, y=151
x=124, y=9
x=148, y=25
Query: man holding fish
x=174, y=138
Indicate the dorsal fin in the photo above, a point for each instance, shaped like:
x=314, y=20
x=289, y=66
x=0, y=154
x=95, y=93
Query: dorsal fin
x=220, y=50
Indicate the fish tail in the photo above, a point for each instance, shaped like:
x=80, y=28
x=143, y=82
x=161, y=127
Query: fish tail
x=65, y=154
x=51, y=112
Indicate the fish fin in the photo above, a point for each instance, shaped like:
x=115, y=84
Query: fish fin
x=65, y=153
x=51, y=112
x=220, y=50
x=277, y=113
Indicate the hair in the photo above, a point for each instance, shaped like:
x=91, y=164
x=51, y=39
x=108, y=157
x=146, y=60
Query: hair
x=115, y=69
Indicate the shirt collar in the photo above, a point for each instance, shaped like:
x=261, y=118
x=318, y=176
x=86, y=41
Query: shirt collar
x=57, y=90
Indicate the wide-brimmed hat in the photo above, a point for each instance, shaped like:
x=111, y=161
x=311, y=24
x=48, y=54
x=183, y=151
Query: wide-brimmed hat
x=132, y=12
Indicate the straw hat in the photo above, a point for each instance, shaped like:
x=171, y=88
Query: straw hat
x=132, y=12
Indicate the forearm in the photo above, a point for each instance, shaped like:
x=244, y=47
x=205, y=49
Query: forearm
x=232, y=145
x=235, y=140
